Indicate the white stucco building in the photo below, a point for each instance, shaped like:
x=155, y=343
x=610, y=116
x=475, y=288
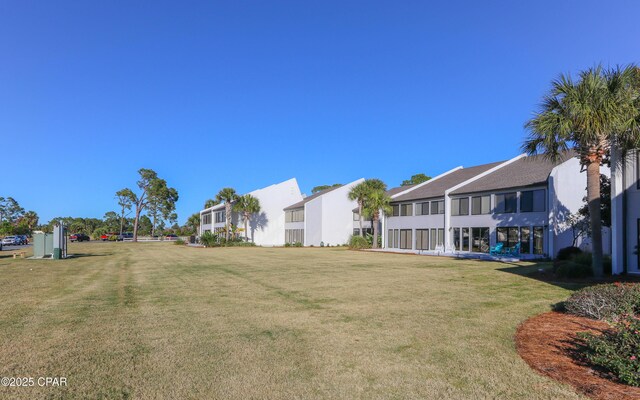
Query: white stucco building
x=325, y=217
x=625, y=212
x=266, y=228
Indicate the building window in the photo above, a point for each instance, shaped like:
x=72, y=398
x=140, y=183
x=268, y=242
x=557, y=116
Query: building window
x=422, y=208
x=525, y=240
x=422, y=239
x=405, y=239
x=293, y=236
x=390, y=238
x=356, y=231
x=367, y=231
x=538, y=240
x=294, y=215
x=393, y=240
x=221, y=216
x=356, y=216
x=441, y=237
x=206, y=219
x=437, y=207
x=395, y=210
x=480, y=240
x=406, y=210
x=460, y=206
x=456, y=239
x=465, y=239
x=480, y=205
x=532, y=201
x=507, y=236
x=434, y=239
x=506, y=203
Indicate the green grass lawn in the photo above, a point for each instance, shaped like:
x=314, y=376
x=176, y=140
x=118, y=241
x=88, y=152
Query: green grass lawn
x=152, y=321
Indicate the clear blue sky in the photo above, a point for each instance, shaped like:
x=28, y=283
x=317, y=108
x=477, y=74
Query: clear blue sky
x=249, y=93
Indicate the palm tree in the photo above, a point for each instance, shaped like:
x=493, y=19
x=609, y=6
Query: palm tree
x=590, y=115
x=377, y=201
x=360, y=192
x=210, y=203
x=247, y=205
x=227, y=196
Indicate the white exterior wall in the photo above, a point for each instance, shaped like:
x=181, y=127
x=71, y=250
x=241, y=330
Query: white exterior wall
x=625, y=212
x=313, y=220
x=266, y=228
x=328, y=218
x=337, y=211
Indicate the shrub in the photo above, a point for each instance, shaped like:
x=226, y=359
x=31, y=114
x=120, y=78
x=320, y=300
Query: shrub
x=568, y=252
x=287, y=244
x=235, y=243
x=605, y=302
x=358, y=242
x=617, y=350
x=297, y=244
x=179, y=242
x=209, y=239
x=572, y=270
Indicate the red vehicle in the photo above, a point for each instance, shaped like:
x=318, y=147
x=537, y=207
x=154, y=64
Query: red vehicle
x=107, y=236
x=78, y=237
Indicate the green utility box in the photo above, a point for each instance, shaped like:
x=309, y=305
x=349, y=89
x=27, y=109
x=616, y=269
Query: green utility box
x=42, y=245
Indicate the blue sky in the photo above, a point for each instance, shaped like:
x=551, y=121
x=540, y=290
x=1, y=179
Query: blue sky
x=249, y=93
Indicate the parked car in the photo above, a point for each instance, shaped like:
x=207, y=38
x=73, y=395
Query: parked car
x=79, y=237
x=22, y=239
x=171, y=237
x=10, y=241
x=127, y=235
x=109, y=236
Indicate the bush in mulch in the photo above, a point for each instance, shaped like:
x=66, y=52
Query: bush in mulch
x=358, y=242
x=605, y=302
x=617, y=350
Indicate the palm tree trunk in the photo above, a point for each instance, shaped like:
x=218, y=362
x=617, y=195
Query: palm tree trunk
x=360, y=217
x=374, y=245
x=593, y=199
x=246, y=227
x=227, y=211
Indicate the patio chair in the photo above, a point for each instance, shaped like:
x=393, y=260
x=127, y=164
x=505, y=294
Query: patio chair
x=497, y=249
x=515, y=250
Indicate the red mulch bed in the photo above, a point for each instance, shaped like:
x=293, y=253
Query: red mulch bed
x=548, y=343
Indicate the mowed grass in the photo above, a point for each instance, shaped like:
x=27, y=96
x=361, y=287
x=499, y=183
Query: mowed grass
x=152, y=321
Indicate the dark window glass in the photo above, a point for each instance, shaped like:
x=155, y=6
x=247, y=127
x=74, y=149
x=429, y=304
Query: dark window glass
x=456, y=238
x=405, y=238
x=507, y=236
x=532, y=201
x=480, y=240
x=422, y=239
x=395, y=210
x=434, y=238
x=465, y=239
x=406, y=210
x=525, y=240
x=506, y=202
x=538, y=240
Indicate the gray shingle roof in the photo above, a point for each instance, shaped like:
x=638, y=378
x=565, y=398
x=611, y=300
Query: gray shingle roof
x=393, y=191
x=436, y=188
x=525, y=172
x=307, y=199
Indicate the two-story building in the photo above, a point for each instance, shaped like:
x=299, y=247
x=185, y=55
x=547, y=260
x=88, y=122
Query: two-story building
x=521, y=203
x=625, y=212
x=325, y=217
x=267, y=227
x=366, y=224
